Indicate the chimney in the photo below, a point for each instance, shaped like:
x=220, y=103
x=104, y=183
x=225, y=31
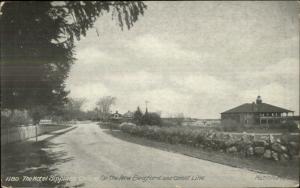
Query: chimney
x=258, y=100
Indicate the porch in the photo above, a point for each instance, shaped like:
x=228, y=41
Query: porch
x=274, y=117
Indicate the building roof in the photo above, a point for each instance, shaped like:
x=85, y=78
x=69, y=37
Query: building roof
x=128, y=114
x=116, y=113
x=253, y=107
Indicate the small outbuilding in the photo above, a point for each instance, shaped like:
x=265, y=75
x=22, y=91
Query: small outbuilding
x=116, y=116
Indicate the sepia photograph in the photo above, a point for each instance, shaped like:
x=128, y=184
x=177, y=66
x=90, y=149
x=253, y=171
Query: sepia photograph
x=149, y=94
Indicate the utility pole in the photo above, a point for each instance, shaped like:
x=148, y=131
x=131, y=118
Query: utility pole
x=146, y=102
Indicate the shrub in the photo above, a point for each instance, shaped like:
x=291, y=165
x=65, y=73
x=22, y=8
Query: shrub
x=137, y=116
x=168, y=123
x=18, y=117
x=219, y=128
x=127, y=127
x=109, y=125
x=151, y=119
x=173, y=135
x=290, y=126
x=126, y=123
x=203, y=138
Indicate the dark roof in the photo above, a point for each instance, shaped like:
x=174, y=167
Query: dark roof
x=116, y=113
x=253, y=107
x=128, y=114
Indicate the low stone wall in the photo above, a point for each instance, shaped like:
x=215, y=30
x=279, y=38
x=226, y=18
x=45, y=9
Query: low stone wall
x=278, y=147
x=15, y=134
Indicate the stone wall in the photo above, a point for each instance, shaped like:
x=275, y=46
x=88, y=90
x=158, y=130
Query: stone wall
x=278, y=147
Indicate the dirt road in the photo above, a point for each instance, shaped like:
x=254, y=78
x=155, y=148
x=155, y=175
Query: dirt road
x=101, y=160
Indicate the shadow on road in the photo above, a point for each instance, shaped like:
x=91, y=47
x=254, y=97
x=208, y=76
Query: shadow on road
x=284, y=170
x=33, y=159
x=58, y=134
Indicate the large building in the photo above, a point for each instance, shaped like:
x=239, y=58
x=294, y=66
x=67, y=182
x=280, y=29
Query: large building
x=257, y=113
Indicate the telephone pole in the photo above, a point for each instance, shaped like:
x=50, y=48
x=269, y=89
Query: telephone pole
x=146, y=102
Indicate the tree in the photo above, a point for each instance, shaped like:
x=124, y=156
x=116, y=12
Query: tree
x=103, y=106
x=154, y=119
x=37, y=113
x=145, y=118
x=91, y=115
x=72, y=109
x=37, y=46
x=137, y=116
x=151, y=118
x=179, y=118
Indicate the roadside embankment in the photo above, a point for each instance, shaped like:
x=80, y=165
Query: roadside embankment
x=284, y=147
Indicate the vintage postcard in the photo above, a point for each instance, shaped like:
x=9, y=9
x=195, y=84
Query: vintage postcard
x=162, y=94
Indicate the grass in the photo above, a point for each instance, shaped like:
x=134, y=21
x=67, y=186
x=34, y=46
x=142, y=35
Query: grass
x=267, y=131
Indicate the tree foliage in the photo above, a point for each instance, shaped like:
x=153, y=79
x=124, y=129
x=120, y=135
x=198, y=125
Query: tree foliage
x=37, y=112
x=179, y=118
x=103, y=106
x=148, y=118
x=137, y=116
x=15, y=118
x=37, y=46
x=151, y=119
x=72, y=109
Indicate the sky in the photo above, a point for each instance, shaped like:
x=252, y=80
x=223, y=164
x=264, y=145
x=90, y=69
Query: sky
x=195, y=58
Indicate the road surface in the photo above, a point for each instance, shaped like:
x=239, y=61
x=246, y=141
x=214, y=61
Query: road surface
x=101, y=160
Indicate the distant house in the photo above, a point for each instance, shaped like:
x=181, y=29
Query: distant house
x=257, y=113
x=116, y=116
x=128, y=115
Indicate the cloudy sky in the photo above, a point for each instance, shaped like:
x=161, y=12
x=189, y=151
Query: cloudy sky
x=196, y=58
